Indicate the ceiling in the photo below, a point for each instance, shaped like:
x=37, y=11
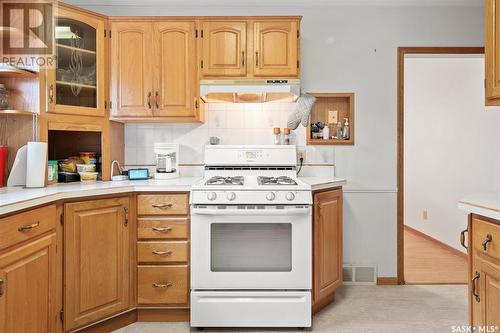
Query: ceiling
x=274, y=3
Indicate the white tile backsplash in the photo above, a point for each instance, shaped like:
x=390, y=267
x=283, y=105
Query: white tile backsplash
x=241, y=123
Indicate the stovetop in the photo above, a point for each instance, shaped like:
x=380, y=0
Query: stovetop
x=225, y=180
x=280, y=180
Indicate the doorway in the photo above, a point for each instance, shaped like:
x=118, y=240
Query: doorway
x=430, y=84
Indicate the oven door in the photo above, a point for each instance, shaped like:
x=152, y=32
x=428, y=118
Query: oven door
x=251, y=247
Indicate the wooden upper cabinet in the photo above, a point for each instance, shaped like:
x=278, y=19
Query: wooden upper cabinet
x=224, y=48
x=77, y=84
x=28, y=288
x=174, y=69
x=131, y=69
x=276, y=48
x=327, y=248
x=96, y=260
x=492, y=51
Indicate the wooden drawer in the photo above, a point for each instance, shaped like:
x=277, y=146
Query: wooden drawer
x=23, y=226
x=162, y=252
x=162, y=228
x=482, y=231
x=162, y=204
x=162, y=284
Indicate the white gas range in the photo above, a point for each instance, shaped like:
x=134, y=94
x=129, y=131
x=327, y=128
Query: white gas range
x=251, y=240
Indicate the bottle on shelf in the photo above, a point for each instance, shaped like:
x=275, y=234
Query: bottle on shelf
x=286, y=138
x=326, y=132
x=345, y=130
x=277, y=135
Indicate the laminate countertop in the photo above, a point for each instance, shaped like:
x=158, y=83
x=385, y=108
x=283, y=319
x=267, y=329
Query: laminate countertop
x=16, y=198
x=484, y=204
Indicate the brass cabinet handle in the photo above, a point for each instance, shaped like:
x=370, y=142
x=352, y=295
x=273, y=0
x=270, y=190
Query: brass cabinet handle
x=474, y=293
x=28, y=227
x=462, y=238
x=242, y=58
x=125, y=211
x=256, y=58
x=149, y=100
x=51, y=93
x=488, y=239
x=162, y=253
x=162, y=285
x=160, y=229
x=2, y=283
x=162, y=206
x=157, y=96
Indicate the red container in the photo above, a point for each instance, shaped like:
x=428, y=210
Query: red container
x=3, y=164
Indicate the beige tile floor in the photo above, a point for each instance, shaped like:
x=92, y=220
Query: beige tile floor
x=360, y=309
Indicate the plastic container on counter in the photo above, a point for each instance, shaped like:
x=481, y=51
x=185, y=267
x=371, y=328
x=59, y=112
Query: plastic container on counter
x=85, y=167
x=88, y=177
x=88, y=157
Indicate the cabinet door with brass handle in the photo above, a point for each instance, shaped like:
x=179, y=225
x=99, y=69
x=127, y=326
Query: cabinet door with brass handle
x=462, y=238
x=151, y=228
x=28, y=278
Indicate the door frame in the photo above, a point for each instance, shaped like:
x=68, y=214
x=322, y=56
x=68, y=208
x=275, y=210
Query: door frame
x=402, y=52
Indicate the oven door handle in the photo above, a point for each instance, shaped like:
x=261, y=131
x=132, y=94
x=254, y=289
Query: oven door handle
x=251, y=212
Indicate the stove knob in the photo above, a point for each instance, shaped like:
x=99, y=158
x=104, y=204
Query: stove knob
x=290, y=196
x=270, y=196
x=231, y=196
x=211, y=196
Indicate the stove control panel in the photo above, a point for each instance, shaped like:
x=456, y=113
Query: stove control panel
x=219, y=197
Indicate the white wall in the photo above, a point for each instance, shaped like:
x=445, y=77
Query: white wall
x=451, y=142
x=351, y=48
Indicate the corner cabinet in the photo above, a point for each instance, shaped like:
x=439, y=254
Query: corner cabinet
x=327, y=246
x=29, y=290
x=77, y=84
x=154, y=75
x=97, y=260
x=484, y=270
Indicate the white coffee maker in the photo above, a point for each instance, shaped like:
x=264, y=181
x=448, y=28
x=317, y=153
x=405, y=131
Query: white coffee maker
x=167, y=160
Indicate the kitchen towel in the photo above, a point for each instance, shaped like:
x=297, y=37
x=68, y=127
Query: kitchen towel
x=36, y=163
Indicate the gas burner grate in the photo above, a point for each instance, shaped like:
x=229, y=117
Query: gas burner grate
x=282, y=180
x=218, y=180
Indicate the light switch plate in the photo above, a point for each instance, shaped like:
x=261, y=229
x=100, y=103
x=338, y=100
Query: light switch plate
x=333, y=117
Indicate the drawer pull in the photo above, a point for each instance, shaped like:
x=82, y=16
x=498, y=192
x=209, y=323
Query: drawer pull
x=162, y=229
x=162, y=285
x=28, y=227
x=162, y=206
x=488, y=239
x=162, y=253
x=462, y=238
x=474, y=293
x=1, y=287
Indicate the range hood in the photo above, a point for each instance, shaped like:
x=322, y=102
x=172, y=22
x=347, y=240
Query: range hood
x=250, y=91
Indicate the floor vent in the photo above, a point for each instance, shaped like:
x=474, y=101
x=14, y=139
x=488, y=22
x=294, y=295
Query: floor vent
x=360, y=274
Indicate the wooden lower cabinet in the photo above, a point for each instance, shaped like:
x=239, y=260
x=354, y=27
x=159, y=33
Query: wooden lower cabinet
x=327, y=246
x=484, y=261
x=164, y=285
x=97, y=259
x=28, y=287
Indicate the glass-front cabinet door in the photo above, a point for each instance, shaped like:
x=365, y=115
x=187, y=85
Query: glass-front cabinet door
x=76, y=84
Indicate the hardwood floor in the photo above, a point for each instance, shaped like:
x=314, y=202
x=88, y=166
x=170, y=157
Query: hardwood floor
x=428, y=262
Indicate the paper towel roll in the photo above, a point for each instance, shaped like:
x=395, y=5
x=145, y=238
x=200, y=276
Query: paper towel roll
x=36, y=163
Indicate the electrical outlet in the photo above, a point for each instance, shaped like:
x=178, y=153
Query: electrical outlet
x=424, y=215
x=301, y=153
x=333, y=117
